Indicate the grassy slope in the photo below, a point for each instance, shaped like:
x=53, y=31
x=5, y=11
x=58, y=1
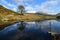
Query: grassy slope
x=34, y=17
x=11, y=15
x=7, y=14
x=15, y=17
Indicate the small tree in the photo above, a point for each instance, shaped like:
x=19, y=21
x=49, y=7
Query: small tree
x=21, y=9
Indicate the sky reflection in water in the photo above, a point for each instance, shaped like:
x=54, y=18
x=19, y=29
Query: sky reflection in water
x=31, y=30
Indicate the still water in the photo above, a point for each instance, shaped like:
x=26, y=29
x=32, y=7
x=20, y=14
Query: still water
x=40, y=30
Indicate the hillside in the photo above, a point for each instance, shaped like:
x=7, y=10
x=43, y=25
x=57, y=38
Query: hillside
x=7, y=14
x=4, y=10
x=8, y=17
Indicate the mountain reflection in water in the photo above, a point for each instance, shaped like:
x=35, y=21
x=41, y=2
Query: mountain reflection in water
x=31, y=30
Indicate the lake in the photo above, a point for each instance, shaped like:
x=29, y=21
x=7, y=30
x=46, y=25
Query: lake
x=39, y=30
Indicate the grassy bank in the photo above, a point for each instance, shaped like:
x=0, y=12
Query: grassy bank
x=6, y=23
x=6, y=20
x=8, y=17
x=34, y=17
x=26, y=17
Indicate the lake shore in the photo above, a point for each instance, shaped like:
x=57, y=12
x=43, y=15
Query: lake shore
x=6, y=23
x=7, y=20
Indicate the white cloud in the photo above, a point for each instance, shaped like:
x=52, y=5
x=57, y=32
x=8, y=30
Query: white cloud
x=28, y=8
x=15, y=9
x=48, y=6
x=31, y=9
x=21, y=2
x=45, y=7
x=5, y=2
x=9, y=4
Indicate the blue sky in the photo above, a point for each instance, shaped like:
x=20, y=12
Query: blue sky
x=45, y=6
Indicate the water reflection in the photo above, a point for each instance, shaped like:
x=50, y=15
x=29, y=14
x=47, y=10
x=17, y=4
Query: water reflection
x=41, y=30
x=58, y=20
x=30, y=32
x=22, y=25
